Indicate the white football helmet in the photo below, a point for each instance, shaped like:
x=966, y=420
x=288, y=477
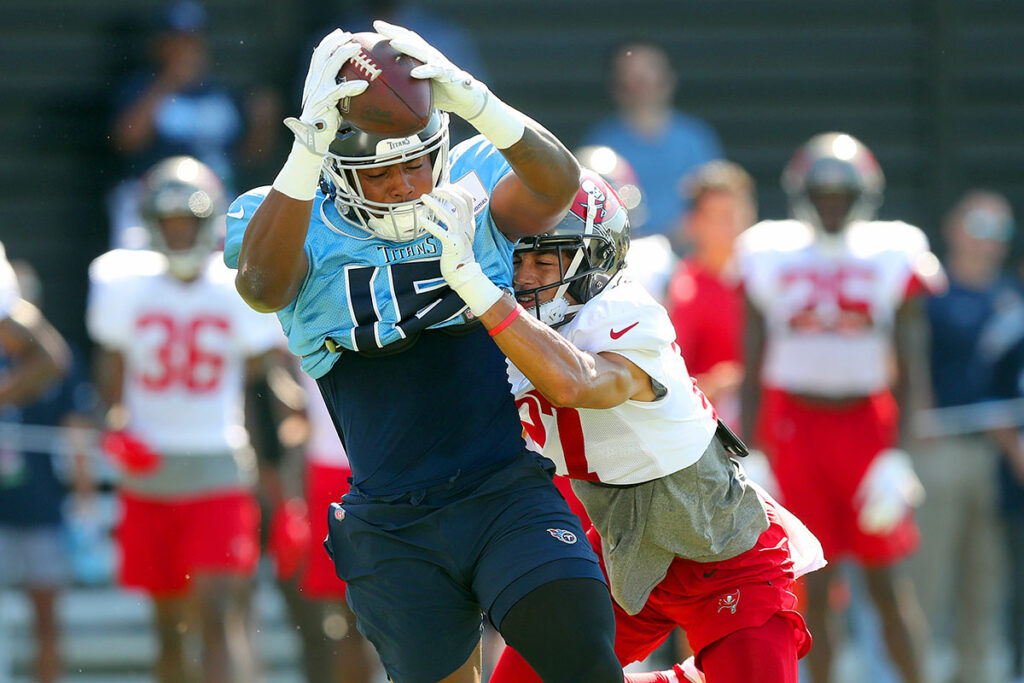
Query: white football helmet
x=354, y=149
x=183, y=187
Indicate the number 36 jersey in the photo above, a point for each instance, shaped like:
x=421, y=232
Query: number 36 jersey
x=184, y=345
x=635, y=441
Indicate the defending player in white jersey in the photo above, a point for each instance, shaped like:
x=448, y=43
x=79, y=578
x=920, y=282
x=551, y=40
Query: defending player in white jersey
x=177, y=343
x=830, y=304
x=686, y=540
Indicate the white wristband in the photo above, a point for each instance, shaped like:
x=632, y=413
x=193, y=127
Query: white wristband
x=300, y=175
x=475, y=288
x=499, y=123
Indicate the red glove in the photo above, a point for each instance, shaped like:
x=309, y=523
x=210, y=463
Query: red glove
x=291, y=538
x=129, y=452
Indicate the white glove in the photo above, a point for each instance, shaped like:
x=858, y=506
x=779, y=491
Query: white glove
x=690, y=672
x=887, y=492
x=456, y=90
x=318, y=124
x=453, y=206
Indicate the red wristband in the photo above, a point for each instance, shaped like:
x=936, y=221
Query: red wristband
x=506, y=322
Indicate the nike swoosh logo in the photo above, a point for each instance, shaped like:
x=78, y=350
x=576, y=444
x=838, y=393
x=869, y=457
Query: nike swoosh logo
x=616, y=335
x=240, y=213
x=708, y=575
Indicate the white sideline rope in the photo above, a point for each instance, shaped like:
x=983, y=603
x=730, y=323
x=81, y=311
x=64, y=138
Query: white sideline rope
x=969, y=419
x=936, y=422
x=49, y=439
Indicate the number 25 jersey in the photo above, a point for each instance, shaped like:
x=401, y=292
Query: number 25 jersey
x=829, y=307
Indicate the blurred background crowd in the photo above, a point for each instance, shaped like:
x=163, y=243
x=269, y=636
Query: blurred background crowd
x=691, y=108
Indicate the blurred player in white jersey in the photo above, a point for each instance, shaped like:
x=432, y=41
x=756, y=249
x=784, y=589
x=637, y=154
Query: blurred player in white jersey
x=831, y=303
x=176, y=346
x=686, y=540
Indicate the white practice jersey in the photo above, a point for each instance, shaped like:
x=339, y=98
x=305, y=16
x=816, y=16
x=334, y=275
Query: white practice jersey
x=324, y=445
x=184, y=347
x=829, y=307
x=636, y=441
x=9, y=292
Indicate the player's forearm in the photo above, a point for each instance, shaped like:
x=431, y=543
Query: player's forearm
x=35, y=371
x=566, y=375
x=272, y=261
x=23, y=384
x=136, y=126
x=546, y=178
x=750, y=404
x=41, y=355
x=750, y=386
x=912, y=387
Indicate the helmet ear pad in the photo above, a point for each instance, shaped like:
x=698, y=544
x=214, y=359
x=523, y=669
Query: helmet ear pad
x=587, y=288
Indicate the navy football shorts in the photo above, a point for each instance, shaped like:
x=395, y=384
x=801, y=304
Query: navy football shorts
x=420, y=569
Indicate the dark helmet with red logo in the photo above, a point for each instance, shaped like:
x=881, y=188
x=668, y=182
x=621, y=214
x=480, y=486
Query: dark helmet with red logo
x=591, y=242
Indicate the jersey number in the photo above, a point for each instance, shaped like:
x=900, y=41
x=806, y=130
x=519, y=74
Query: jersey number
x=180, y=359
x=415, y=291
x=570, y=431
x=829, y=305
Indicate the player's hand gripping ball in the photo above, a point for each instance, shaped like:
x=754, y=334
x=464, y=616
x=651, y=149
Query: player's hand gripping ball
x=395, y=104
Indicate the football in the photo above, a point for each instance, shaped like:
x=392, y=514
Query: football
x=395, y=103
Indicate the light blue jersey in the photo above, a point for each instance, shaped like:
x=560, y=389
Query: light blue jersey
x=364, y=293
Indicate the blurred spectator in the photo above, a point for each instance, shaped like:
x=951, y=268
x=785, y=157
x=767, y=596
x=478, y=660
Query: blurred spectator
x=174, y=108
x=661, y=143
x=704, y=298
x=71, y=403
x=175, y=345
x=960, y=535
x=1008, y=374
x=830, y=302
x=33, y=359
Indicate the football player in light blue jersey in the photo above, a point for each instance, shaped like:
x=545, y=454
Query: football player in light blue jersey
x=448, y=515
